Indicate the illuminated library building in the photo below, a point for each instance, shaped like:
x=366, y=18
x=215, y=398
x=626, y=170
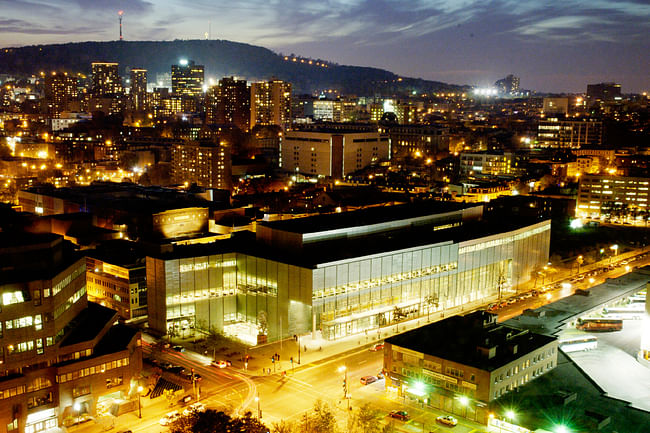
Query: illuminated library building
x=344, y=274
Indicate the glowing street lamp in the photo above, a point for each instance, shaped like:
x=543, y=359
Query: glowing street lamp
x=510, y=415
x=561, y=429
x=139, y=404
x=259, y=411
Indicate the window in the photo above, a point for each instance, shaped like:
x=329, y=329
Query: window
x=115, y=381
x=78, y=391
x=13, y=425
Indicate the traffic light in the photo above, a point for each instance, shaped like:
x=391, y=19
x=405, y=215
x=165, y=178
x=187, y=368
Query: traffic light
x=273, y=359
x=345, y=387
x=291, y=360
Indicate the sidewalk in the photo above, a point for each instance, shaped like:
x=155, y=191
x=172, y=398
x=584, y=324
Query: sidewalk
x=314, y=349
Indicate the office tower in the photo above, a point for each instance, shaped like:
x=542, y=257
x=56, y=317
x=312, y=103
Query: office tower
x=271, y=104
x=60, y=92
x=187, y=78
x=139, y=89
x=64, y=359
x=106, y=79
x=603, y=92
x=229, y=103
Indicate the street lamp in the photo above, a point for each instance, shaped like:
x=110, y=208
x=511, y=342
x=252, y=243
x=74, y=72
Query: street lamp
x=510, y=415
x=139, y=404
x=346, y=395
x=561, y=429
x=259, y=411
x=580, y=261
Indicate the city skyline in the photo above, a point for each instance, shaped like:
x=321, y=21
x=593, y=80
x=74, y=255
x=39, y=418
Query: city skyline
x=558, y=49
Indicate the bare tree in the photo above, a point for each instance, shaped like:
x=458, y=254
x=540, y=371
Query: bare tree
x=365, y=420
x=320, y=420
x=284, y=427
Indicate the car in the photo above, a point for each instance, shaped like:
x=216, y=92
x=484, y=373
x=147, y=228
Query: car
x=447, y=420
x=221, y=364
x=399, y=414
x=169, y=418
x=176, y=369
x=194, y=408
x=377, y=347
x=179, y=348
x=367, y=380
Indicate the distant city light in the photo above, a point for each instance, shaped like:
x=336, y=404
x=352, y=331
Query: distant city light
x=183, y=62
x=485, y=91
x=576, y=224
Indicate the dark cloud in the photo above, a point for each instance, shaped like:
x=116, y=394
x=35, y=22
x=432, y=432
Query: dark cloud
x=467, y=41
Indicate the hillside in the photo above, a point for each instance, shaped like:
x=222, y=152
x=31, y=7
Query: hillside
x=221, y=58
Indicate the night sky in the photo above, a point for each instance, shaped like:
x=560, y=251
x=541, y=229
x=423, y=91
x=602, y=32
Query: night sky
x=557, y=48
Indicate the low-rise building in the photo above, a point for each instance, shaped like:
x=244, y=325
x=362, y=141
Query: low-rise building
x=609, y=196
x=117, y=279
x=486, y=163
x=561, y=133
x=463, y=363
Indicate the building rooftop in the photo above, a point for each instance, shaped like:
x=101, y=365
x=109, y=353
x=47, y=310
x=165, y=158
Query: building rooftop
x=364, y=217
x=320, y=253
x=88, y=324
x=548, y=402
x=116, y=339
x=33, y=256
x=459, y=338
x=124, y=196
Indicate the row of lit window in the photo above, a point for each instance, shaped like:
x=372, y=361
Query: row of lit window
x=89, y=371
x=373, y=282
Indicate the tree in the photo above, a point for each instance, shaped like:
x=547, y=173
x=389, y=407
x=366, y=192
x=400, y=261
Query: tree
x=212, y=421
x=365, y=420
x=284, y=427
x=320, y=420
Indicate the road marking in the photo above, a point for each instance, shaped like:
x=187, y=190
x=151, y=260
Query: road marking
x=293, y=379
x=363, y=362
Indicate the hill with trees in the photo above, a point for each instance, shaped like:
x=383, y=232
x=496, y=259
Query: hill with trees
x=221, y=58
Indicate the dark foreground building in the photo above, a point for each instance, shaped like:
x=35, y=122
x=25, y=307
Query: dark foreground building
x=62, y=358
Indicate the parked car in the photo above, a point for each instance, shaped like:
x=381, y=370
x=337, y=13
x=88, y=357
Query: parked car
x=179, y=348
x=366, y=380
x=447, y=420
x=399, y=414
x=377, y=347
x=221, y=364
x=169, y=418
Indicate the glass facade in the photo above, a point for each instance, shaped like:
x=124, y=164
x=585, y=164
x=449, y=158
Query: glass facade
x=245, y=295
